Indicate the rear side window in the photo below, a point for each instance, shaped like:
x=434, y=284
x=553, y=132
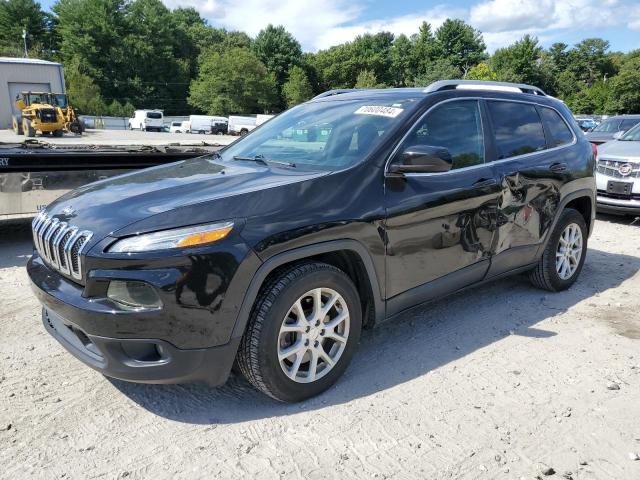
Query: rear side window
x=456, y=126
x=627, y=124
x=517, y=128
x=558, y=130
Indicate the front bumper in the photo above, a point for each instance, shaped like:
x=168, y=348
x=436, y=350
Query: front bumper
x=142, y=360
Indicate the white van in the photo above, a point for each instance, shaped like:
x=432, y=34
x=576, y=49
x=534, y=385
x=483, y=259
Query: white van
x=147, y=120
x=240, y=125
x=179, y=127
x=208, y=124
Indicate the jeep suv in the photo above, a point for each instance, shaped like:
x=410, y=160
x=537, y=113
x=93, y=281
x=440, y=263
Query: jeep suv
x=275, y=252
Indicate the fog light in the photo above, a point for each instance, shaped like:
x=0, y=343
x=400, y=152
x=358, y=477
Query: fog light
x=133, y=295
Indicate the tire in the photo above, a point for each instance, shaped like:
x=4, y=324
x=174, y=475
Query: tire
x=258, y=356
x=16, y=124
x=58, y=133
x=548, y=274
x=243, y=132
x=28, y=130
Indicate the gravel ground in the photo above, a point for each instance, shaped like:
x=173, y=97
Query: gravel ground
x=503, y=381
x=122, y=137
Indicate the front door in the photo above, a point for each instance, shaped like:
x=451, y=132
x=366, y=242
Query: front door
x=440, y=226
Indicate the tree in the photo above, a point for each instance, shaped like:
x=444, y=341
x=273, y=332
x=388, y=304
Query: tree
x=625, y=87
x=366, y=79
x=590, y=62
x=482, y=71
x=440, y=69
x=519, y=62
x=278, y=50
x=83, y=93
x=298, y=88
x=460, y=44
x=235, y=81
x=403, y=63
x=19, y=15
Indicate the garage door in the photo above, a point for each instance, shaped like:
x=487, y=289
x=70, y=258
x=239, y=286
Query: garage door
x=16, y=87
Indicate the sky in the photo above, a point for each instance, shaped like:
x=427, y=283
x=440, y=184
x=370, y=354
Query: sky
x=319, y=24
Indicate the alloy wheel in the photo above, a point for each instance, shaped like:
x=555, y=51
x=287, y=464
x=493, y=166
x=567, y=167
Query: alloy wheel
x=313, y=335
x=569, y=251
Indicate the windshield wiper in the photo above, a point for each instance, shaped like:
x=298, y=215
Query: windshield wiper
x=260, y=159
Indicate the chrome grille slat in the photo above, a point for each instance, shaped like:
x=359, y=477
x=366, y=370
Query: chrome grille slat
x=60, y=245
x=611, y=168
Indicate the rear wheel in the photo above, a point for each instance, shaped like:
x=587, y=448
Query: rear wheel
x=16, y=125
x=564, y=255
x=302, y=333
x=243, y=132
x=28, y=130
x=57, y=133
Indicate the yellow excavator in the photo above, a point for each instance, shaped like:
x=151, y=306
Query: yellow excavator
x=47, y=113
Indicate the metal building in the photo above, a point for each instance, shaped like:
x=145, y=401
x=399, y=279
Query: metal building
x=26, y=74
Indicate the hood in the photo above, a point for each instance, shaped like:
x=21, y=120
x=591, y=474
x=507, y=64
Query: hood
x=599, y=136
x=620, y=150
x=167, y=191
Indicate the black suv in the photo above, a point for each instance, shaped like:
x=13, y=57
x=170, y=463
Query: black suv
x=277, y=251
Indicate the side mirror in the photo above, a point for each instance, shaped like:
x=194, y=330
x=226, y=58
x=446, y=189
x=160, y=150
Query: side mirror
x=423, y=159
x=618, y=135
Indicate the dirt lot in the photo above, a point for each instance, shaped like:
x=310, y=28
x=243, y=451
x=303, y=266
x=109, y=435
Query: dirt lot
x=122, y=137
x=501, y=382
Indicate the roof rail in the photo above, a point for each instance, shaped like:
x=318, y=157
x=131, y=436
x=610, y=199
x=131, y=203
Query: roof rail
x=483, y=85
x=337, y=91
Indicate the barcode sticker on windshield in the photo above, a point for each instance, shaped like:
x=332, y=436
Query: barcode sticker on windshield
x=391, y=112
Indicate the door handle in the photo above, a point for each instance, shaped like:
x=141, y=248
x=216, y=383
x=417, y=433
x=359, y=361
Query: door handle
x=485, y=182
x=558, y=167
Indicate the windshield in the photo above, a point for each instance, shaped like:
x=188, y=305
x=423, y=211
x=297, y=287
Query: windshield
x=60, y=100
x=608, y=126
x=632, y=135
x=326, y=135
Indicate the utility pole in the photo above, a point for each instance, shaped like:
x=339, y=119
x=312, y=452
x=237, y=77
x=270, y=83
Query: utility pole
x=24, y=39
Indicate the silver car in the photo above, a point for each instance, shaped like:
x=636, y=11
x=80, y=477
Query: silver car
x=612, y=128
x=618, y=174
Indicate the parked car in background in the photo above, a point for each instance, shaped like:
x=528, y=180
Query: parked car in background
x=147, y=120
x=176, y=127
x=618, y=174
x=275, y=252
x=241, y=125
x=586, y=124
x=207, y=124
x=608, y=129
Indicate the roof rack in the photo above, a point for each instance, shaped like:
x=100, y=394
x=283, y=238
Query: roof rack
x=337, y=91
x=483, y=85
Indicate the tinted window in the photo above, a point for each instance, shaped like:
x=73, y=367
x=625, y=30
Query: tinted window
x=517, y=128
x=608, y=126
x=456, y=126
x=627, y=124
x=558, y=130
x=154, y=115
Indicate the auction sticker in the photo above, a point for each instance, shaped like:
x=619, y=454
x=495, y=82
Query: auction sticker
x=381, y=111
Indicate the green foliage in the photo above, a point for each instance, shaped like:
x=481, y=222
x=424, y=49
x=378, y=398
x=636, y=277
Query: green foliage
x=441, y=69
x=278, y=50
x=19, y=15
x=460, y=44
x=482, y=71
x=84, y=94
x=519, y=62
x=298, y=88
x=235, y=81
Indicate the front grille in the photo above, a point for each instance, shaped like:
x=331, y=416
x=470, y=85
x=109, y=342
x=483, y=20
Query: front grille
x=611, y=168
x=59, y=244
x=47, y=115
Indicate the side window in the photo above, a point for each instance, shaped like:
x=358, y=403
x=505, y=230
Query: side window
x=627, y=124
x=558, y=130
x=456, y=126
x=517, y=128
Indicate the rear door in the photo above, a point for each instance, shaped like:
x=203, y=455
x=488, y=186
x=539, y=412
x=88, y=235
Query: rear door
x=439, y=226
x=532, y=164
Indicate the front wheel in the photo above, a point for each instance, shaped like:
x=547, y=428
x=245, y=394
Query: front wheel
x=302, y=333
x=564, y=255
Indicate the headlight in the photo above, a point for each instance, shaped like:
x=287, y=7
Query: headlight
x=175, y=238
